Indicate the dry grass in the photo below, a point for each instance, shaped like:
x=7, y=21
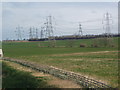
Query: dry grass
x=63, y=83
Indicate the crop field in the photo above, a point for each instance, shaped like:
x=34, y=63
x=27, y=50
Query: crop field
x=100, y=63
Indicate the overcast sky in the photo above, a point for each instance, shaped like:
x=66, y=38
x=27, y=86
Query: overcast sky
x=65, y=15
x=60, y=0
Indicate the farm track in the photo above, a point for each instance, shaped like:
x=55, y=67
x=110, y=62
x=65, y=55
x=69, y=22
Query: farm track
x=72, y=54
x=63, y=74
x=51, y=80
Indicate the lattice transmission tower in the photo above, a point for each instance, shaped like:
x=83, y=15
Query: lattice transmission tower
x=107, y=21
x=19, y=32
x=33, y=33
x=42, y=32
x=30, y=33
x=49, y=31
x=80, y=33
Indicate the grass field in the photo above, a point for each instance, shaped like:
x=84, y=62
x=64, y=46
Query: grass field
x=99, y=63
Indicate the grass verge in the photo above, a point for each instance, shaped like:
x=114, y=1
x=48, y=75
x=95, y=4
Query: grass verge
x=12, y=78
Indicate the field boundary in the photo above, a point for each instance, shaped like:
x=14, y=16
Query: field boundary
x=63, y=74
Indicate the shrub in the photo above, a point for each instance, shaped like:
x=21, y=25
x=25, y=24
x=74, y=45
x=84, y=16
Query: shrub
x=82, y=45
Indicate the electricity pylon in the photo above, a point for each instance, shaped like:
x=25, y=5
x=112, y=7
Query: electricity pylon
x=19, y=32
x=80, y=30
x=107, y=21
x=49, y=31
x=30, y=33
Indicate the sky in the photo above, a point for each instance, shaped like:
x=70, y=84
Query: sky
x=60, y=0
x=66, y=17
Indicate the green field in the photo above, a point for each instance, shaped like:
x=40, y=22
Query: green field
x=100, y=63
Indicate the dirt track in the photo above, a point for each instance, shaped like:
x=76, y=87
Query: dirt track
x=72, y=54
x=51, y=79
x=65, y=75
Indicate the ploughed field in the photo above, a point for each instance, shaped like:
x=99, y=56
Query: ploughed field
x=100, y=63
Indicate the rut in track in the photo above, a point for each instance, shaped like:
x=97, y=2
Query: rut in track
x=63, y=74
x=51, y=80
